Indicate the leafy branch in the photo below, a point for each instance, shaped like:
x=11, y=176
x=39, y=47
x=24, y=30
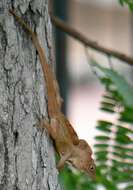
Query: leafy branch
x=114, y=144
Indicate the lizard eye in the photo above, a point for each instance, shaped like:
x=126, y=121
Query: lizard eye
x=91, y=167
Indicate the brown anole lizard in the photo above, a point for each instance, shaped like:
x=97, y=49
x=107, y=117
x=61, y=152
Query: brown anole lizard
x=70, y=148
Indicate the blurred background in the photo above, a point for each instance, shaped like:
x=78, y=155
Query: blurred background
x=100, y=116
x=107, y=23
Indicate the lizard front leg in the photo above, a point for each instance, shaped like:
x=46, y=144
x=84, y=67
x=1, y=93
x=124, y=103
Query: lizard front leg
x=52, y=130
x=62, y=160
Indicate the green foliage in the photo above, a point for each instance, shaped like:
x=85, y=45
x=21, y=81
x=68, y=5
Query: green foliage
x=114, y=144
x=75, y=180
x=128, y=2
x=116, y=85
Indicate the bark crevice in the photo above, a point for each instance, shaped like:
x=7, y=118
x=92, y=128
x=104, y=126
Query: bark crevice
x=4, y=178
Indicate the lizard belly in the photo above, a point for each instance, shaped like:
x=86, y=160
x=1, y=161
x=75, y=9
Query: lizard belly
x=63, y=147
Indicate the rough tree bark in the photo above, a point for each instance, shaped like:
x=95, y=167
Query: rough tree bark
x=26, y=153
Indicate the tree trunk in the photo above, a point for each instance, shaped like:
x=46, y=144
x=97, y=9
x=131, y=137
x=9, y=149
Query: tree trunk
x=27, y=158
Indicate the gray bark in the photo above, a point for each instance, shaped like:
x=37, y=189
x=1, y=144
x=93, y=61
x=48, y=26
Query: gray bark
x=27, y=159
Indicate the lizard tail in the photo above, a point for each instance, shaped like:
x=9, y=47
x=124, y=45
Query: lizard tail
x=31, y=33
x=53, y=106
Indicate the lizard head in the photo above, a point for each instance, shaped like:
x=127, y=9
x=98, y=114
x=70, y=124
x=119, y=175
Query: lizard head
x=85, y=165
x=91, y=169
x=82, y=159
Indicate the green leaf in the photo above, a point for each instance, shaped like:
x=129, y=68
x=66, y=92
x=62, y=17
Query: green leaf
x=131, y=7
x=119, y=176
x=104, y=123
x=121, y=2
x=110, y=185
x=123, y=130
x=107, y=104
x=123, y=165
x=122, y=148
x=128, y=2
x=102, y=138
x=127, y=115
x=102, y=146
x=122, y=155
x=124, y=89
x=104, y=126
x=122, y=139
x=107, y=110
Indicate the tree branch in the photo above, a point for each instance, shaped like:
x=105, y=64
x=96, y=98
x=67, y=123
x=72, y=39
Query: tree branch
x=89, y=43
